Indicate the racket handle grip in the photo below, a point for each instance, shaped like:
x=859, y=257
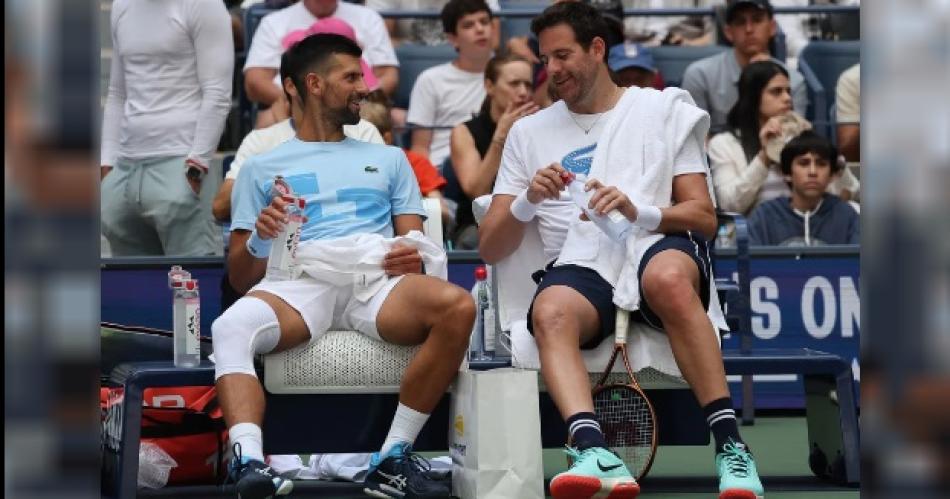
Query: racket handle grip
x=622, y=324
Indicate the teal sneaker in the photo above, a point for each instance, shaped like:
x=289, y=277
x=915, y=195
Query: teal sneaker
x=738, y=478
x=595, y=472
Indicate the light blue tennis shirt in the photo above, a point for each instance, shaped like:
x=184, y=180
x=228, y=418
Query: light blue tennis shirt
x=351, y=187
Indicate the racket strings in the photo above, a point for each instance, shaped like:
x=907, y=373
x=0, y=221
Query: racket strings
x=627, y=424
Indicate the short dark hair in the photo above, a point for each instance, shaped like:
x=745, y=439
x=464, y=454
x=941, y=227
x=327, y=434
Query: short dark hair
x=312, y=54
x=809, y=142
x=456, y=9
x=586, y=22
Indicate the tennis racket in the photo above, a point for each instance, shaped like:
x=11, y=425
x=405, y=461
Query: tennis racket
x=625, y=414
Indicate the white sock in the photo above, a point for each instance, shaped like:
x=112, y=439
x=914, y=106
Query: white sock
x=250, y=437
x=407, y=424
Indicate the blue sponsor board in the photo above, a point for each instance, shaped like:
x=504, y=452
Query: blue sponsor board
x=798, y=299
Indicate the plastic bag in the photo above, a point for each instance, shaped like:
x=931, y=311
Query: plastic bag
x=155, y=466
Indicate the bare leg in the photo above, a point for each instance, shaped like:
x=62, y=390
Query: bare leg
x=439, y=315
x=241, y=395
x=670, y=285
x=562, y=320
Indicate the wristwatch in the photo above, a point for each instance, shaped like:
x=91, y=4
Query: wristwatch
x=196, y=171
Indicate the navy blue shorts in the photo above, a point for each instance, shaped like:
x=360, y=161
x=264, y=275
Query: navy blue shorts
x=600, y=293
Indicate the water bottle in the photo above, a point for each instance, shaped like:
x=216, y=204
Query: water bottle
x=614, y=224
x=283, y=253
x=176, y=276
x=187, y=324
x=482, y=345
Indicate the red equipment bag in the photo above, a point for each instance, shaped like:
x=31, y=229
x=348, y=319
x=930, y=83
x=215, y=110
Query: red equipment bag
x=185, y=421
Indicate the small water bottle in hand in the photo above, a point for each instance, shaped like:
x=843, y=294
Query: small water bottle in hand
x=283, y=253
x=614, y=224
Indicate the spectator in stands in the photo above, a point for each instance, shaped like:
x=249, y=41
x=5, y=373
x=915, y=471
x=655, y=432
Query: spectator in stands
x=430, y=181
x=632, y=66
x=477, y=144
x=712, y=81
x=358, y=196
x=169, y=96
x=810, y=216
x=423, y=31
x=744, y=173
x=848, y=113
x=263, y=57
x=670, y=287
x=450, y=93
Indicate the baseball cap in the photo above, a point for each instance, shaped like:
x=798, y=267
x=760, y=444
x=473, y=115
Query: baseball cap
x=334, y=26
x=733, y=5
x=630, y=55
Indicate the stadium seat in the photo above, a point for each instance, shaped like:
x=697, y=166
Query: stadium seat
x=821, y=63
x=672, y=60
x=517, y=26
x=413, y=60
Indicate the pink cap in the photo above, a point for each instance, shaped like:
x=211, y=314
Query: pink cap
x=333, y=26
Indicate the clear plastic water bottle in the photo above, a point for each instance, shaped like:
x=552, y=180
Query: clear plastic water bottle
x=614, y=224
x=482, y=346
x=176, y=276
x=283, y=253
x=187, y=324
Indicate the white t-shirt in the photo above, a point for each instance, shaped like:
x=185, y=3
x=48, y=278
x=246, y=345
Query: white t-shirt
x=371, y=34
x=445, y=96
x=425, y=31
x=265, y=139
x=170, y=82
x=555, y=135
x=848, y=96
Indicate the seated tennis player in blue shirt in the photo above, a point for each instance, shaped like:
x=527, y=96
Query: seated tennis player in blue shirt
x=352, y=188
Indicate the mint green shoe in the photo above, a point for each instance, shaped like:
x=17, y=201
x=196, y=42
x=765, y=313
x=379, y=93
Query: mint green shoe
x=738, y=478
x=595, y=472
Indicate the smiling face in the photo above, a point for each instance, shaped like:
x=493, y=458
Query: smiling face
x=572, y=70
x=340, y=89
x=473, y=34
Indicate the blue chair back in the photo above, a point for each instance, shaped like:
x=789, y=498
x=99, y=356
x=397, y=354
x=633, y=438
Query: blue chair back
x=672, y=60
x=821, y=63
x=413, y=60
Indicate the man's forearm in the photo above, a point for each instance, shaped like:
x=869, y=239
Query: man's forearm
x=244, y=270
x=388, y=77
x=500, y=233
x=260, y=88
x=690, y=215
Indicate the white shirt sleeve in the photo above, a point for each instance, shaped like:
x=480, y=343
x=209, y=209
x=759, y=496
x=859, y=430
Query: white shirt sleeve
x=377, y=47
x=848, y=96
x=254, y=143
x=513, y=175
x=423, y=101
x=690, y=158
x=115, y=104
x=367, y=132
x=265, y=48
x=736, y=181
x=214, y=50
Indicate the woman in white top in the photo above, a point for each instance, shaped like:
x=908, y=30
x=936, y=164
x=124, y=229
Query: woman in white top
x=743, y=175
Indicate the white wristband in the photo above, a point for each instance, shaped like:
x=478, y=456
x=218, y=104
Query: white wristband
x=522, y=209
x=257, y=247
x=648, y=217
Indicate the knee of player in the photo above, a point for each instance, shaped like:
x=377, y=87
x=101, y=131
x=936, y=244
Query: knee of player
x=548, y=317
x=667, y=288
x=457, y=306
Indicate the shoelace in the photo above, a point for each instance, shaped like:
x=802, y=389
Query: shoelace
x=737, y=460
x=417, y=462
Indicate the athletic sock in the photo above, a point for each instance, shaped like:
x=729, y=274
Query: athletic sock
x=721, y=418
x=585, y=431
x=250, y=437
x=407, y=423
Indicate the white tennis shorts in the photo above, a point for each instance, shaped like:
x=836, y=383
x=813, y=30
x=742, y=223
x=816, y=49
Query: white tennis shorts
x=326, y=306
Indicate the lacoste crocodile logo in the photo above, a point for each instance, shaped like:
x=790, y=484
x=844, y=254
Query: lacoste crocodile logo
x=371, y=169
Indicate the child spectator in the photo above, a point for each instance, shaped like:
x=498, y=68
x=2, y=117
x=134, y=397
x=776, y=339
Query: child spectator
x=810, y=216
